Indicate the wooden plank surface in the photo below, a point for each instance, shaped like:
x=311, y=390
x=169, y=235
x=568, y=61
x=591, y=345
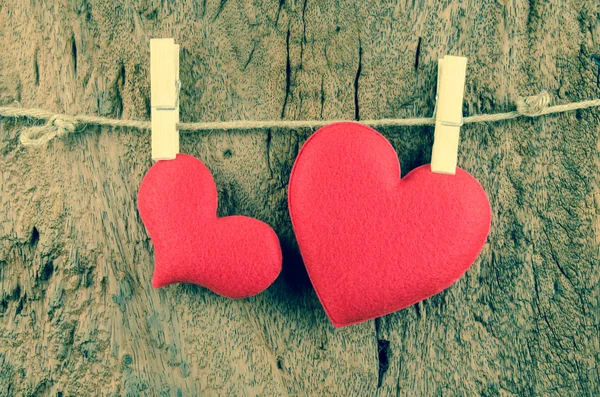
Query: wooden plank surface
x=77, y=313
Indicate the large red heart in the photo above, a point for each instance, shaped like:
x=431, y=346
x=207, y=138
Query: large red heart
x=374, y=243
x=234, y=256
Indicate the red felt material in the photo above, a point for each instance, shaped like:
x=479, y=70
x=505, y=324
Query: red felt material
x=234, y=256
x=371, y=242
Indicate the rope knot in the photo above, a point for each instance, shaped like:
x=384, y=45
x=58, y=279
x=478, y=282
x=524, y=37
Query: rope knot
x=64, y=125
x=533, y=105
x=57, y=126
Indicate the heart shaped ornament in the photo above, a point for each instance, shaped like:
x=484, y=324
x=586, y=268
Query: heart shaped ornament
x=234, y=256
x=373, y=243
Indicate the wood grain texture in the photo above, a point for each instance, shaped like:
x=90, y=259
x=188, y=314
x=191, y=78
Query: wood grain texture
x=77, y=313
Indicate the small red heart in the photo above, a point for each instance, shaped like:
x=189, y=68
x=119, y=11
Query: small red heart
x=234, y=256
x=374, y=243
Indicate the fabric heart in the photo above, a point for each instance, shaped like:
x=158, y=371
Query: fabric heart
x=234, y=256
x=373, y=243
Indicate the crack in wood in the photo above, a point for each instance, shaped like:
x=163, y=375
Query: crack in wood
x=220, y=9
x=356, y=79
x=36, y=68
x=322, y=96
x=281, y=3
x=74, y=53
x=35, y=237
x=250, y=56
x=268, y=152
x=417, y=54
x=288, y=73
x=303, y=41
x=383, y=352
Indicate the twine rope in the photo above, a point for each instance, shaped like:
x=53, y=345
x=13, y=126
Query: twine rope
x=59, y=125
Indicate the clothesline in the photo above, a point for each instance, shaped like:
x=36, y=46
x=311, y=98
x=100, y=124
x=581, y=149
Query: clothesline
x=61, y=124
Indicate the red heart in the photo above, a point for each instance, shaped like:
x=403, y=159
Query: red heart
x=235, y=256
x=371, y=242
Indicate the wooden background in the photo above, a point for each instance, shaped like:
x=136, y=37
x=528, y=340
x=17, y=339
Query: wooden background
x=77, y=313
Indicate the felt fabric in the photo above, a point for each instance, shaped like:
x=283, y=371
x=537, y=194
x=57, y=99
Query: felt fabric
x=371, y=242
x=234, y=256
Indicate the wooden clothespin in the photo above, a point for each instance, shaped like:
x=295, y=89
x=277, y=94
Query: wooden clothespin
x=448, y=116
x=164, y=101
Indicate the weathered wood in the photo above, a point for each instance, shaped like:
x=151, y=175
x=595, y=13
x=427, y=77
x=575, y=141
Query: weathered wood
x=77, y=313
